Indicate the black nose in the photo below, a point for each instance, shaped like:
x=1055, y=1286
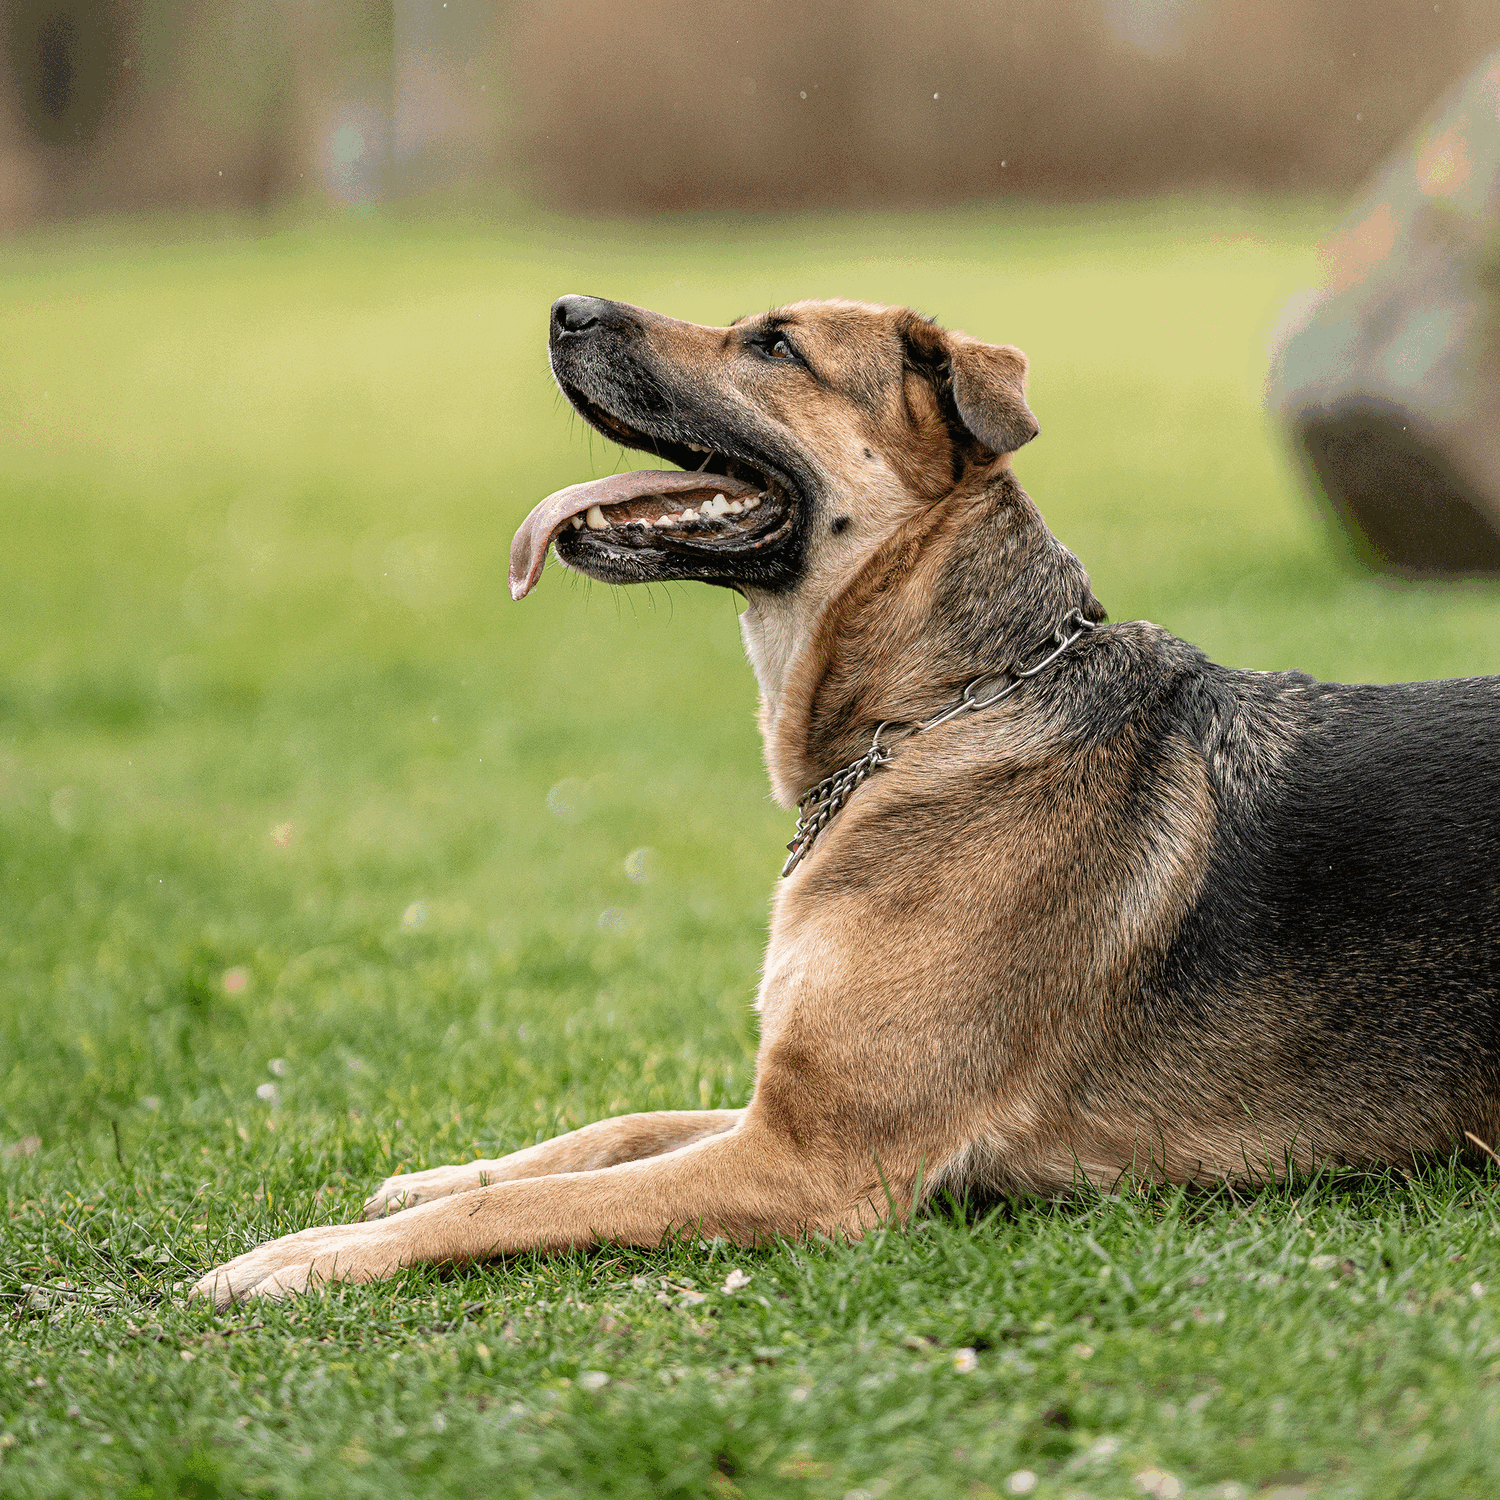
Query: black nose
x=574, y=314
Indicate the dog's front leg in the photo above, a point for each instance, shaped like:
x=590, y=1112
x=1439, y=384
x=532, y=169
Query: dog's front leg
x=749, y=1184
x=605, y=1143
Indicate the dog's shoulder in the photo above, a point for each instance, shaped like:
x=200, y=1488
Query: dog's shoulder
x=1136, y=688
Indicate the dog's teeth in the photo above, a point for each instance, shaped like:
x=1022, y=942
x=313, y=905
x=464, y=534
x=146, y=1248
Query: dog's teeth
x=665, y=521
x=577, y=523
x=752, y=502
x=688, y=515
x=596, y=519
x=735, y=507
x=719, y=506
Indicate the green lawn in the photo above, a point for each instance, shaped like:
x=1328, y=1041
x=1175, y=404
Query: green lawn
x=319, y=856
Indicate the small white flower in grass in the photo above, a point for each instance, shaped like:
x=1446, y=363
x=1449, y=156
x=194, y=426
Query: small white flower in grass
x=1231, y=1489
x=593, y=1380
x=799, y=1394
x=1477, y=1290
x=1022, y=1482
x=1082, y=1351
x=965, y=1361
x=1159, y=1483
x=439, y=1422
x=735, y=1280
x=268, y=1093
x=1102, y=1448
x=569, y=800
x=414, y=917
x=278, y=1066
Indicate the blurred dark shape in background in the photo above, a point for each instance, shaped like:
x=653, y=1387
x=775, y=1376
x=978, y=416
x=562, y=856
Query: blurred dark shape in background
x=1388, y=375
x=620, y=107
x=144, y=104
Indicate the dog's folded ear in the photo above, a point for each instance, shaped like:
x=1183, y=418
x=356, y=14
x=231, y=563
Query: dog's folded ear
x=989, y=390
x=985, y=383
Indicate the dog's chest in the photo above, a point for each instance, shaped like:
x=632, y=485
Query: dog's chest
x=807, y=959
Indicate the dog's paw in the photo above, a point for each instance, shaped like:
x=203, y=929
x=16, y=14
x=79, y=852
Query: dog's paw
x=304, y=1262
x=408, y=1189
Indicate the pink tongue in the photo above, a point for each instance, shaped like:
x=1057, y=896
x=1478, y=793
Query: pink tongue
x=529, y=549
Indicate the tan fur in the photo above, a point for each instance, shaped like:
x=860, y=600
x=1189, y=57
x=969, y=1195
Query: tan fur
x=936, y=1008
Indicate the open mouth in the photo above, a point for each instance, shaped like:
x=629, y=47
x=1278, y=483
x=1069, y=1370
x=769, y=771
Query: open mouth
x=699, y=521
x=711, y=519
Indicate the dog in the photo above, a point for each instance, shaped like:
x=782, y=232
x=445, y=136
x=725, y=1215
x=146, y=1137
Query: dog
x=1068, y=903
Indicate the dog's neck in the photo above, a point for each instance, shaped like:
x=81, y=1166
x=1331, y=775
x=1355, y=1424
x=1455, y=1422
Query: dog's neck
x=970, y=586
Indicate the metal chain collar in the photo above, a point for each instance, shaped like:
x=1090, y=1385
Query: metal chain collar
x=819, y=805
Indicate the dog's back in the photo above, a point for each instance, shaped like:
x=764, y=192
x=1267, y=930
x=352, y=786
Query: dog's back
x=1336, y=983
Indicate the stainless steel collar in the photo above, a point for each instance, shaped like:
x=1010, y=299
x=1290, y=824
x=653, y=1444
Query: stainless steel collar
x=819, y=805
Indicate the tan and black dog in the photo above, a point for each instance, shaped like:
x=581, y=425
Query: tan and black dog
x=1139, y=915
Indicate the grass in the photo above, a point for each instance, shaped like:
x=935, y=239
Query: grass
x=318, y=856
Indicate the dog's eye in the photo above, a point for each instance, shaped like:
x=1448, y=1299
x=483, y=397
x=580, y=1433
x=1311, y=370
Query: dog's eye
x=781, y=350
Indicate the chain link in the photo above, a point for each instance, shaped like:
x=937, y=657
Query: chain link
x=819, y=805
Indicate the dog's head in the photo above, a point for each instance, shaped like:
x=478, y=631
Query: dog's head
x=804, y=436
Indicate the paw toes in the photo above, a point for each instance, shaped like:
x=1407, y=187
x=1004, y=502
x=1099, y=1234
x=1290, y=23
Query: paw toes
x=212, y=1288
x=391, y=1197
x=300, y=1262
x=383, y=1203
x=288, y=1279
x=222, y=1287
